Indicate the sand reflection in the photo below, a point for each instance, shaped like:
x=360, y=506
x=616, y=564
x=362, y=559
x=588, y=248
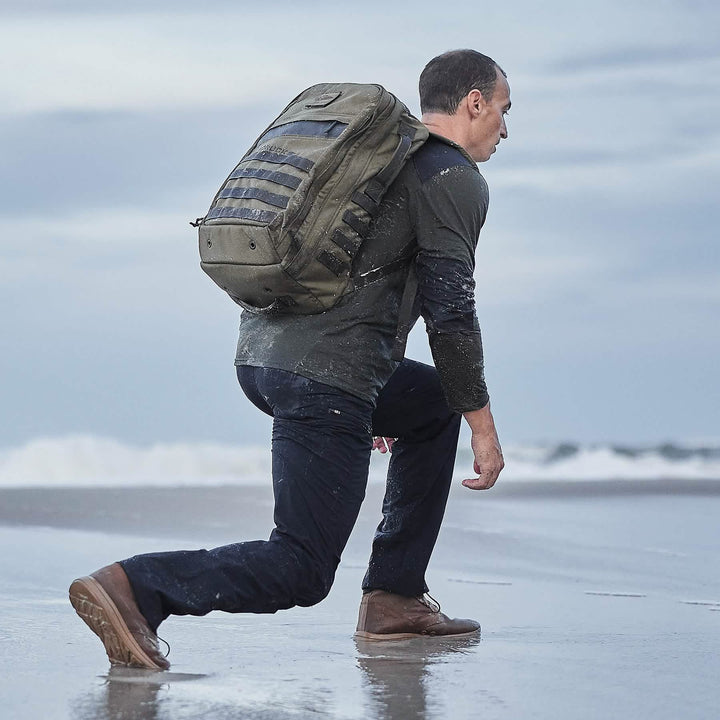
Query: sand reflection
x=398, y=674
x=129, y=694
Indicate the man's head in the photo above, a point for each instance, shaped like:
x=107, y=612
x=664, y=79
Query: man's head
x=464, y=95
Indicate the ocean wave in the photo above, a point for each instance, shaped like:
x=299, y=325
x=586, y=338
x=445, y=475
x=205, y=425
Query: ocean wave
x=82, y=460
x=569, y=461
x=89, y=461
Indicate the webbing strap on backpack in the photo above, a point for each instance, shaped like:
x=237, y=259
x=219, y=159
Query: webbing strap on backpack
x=407, y=258
x=405, y=315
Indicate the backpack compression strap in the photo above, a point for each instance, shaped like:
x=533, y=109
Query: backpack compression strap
x=405, y=314
x=407, y=301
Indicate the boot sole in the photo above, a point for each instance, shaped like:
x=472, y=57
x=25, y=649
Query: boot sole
x=407, y=636
x=101, y=615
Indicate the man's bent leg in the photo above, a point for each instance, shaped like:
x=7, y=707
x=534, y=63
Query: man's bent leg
x=412, y=407
x=321, y=448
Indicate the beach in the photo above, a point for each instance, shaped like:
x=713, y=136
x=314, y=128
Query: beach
x=597, y=599
x=576, y=276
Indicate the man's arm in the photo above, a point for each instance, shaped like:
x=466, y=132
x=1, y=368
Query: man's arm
x=451, y=210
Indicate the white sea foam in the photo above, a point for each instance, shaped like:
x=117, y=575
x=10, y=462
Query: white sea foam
x=87, y=461
x=604, y=462
x=81, y=460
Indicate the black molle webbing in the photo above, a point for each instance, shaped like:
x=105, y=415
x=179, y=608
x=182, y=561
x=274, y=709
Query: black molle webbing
x=240, y=193
x=332, y=263
x=360, y=227
x=279, y=178
x=389, y=172
x=349, y=245
x=365, y=202
x=262, y=216
x=281, y=159
x=375, y=191
x=306, y=128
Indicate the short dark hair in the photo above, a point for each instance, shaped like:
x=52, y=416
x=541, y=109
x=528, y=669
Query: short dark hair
x=449, y=77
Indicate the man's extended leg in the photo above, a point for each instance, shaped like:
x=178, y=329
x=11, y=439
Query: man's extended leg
x=321, y=449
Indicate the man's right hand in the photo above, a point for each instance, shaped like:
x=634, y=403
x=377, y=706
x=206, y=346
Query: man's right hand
x=488, y=457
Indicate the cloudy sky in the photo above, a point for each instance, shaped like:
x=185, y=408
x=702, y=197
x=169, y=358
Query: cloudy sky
x=598, y=274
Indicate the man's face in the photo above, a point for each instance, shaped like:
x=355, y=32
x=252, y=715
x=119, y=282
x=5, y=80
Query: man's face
x=488, y=123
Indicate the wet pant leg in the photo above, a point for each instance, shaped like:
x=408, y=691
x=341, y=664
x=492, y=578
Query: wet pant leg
x=321, y=444
x=412, y=408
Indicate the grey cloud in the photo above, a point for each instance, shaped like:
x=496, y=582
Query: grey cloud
x=562, y=157
x=68, y=161
x=659, y=236
x=127, y=7
x=631, y=56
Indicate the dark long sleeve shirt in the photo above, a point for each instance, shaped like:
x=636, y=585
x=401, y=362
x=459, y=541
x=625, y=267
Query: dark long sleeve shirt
x=450, y=212
x=437, y=206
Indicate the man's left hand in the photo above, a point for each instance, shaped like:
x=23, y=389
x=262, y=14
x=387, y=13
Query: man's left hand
x=383, y=444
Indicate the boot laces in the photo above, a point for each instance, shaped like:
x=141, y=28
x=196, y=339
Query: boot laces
x=165, y=643
x=430, y=602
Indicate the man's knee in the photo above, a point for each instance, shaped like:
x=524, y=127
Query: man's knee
x=310, y=580
x=316, y=590
x=445, y=422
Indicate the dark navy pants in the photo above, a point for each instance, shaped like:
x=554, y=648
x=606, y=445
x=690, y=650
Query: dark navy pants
x=321, y=444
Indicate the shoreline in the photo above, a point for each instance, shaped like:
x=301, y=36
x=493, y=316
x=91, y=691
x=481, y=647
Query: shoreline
x=221, y=511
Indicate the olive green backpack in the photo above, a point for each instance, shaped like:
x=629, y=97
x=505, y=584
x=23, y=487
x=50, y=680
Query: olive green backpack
x=283, y=229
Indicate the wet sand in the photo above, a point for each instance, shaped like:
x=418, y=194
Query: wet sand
x=597, y=600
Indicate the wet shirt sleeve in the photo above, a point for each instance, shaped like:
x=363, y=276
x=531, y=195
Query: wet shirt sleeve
x=449, y=213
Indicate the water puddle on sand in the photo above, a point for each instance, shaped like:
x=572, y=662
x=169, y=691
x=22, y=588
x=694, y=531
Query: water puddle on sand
x=604, y=593
x=479, y=582
x=139, y=676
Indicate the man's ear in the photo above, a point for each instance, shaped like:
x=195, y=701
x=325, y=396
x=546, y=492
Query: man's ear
x=475, y=102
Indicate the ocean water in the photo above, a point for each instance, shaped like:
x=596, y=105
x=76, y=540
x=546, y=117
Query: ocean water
x=83, y=460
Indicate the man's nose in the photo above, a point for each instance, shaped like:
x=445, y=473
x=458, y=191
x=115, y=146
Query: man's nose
x=503, y=130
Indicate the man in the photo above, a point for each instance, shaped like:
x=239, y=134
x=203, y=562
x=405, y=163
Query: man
x=330, y=384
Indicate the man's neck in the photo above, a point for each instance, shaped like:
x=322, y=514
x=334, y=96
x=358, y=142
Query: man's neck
x=446, y=125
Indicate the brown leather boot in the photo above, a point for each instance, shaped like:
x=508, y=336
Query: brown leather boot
x=106, y=602
x=387, y=616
